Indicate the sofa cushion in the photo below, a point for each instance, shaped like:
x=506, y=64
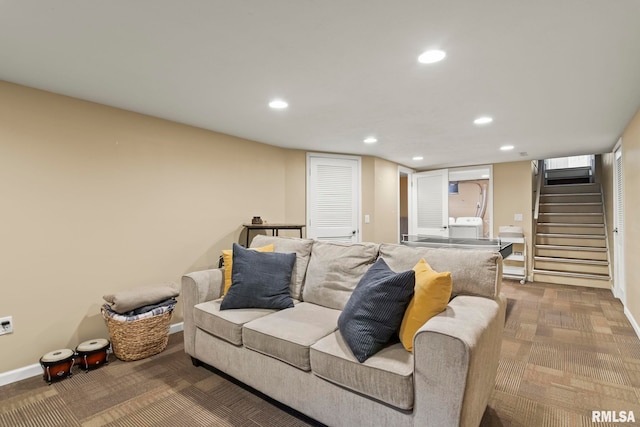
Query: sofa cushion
x=227, y=256
x=300, y=247
x=473, y=272
x=431, y=296
x=375, y=310
x=288, y=334
x=335, y=269
x=225, y=324
x=386, y=376
x=259, y=280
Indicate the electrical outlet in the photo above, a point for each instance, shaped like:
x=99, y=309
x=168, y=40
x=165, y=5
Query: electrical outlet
x=6, y=325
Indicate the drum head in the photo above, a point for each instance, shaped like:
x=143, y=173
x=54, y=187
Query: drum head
x=92, y=345
x=57, y=355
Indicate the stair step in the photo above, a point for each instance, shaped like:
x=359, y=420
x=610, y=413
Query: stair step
x=569, y=194
x=572, y=236
x=568, y=224
x=568, y=228
x=572, y=248
x=571, y=260
x=571, y=204
x=571, y=207
x=571, y=265
x=572, y=213
x=572, y=217
x=572, y=252
x=571, y=198
x=572, y=279
x=571, y=240
x=570, y=188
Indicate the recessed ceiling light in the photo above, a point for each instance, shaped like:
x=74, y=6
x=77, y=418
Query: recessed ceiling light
x=418, y=157
x=431, y=56
x=507, y=147
x=370, y=140
x=483, y=120
x=278, y=104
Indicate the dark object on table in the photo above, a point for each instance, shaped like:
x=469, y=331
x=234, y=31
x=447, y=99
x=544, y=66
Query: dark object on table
x=256, y=220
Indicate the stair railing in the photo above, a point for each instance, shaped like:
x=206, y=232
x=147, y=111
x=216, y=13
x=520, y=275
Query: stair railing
x=536, y=214
x=536, y=210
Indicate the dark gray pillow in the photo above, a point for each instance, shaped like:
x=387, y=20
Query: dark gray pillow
x=374, y=312
x=259, y=280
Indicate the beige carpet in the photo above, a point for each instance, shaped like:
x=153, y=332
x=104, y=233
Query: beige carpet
x=566, y=351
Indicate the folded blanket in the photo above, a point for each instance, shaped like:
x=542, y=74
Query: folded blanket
x=131, y=299
x=154, y=312
x=145, y=308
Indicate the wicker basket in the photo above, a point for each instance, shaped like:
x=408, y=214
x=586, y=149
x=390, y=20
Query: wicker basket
x=140, y=338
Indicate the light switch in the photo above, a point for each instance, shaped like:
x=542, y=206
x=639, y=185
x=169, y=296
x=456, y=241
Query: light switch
x=367, y=219
x=517, y=217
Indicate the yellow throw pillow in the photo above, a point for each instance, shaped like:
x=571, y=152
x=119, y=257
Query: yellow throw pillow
x=227, y=256
x=431, y=296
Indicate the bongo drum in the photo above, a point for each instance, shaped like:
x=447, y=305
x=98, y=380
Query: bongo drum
x=92, y=353
x=57, y=364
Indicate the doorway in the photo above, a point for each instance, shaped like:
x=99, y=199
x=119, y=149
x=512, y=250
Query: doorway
x=463, y=204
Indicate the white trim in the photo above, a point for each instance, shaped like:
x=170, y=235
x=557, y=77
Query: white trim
x=408, y=172
x=20, y=374
x=632, y=320
x=176, y=327
x=35, y=369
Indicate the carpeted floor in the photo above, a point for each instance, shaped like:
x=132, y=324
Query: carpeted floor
x=566, y=351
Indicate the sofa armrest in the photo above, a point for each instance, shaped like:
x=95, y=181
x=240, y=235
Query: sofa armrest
x=456, y=355
x=197, y=287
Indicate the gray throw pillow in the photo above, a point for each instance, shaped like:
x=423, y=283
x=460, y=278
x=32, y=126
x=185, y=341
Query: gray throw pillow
x=374, y=312
x=259, y=280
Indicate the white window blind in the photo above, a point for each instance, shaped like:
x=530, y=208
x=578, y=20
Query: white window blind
x=334, y=193
x=429, y=201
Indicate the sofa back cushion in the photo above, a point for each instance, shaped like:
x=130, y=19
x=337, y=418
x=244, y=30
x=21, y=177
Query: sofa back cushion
x=473, y=272
x=335, y=268
x=300, y=247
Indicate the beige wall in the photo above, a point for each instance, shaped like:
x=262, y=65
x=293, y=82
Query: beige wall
x=631, y=183
x=96, y=199
x=404, y=196
x=295, y=188
x=387, y=187
x=512, y=186
x=380, y=186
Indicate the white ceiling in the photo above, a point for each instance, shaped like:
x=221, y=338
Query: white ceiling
x=559, y=77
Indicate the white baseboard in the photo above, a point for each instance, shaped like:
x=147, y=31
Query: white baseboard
x=35, y=369
x=632, y=320
x=20, y=374
x=176, y=327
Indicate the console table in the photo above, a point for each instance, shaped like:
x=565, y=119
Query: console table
x=273, y=227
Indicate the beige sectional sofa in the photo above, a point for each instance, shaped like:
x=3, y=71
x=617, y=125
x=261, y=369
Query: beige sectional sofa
x=298, y=357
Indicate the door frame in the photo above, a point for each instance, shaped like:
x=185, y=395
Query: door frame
x=358, y=160
x=409, y=173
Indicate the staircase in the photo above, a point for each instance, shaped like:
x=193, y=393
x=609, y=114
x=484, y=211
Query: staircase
x=570, y=245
